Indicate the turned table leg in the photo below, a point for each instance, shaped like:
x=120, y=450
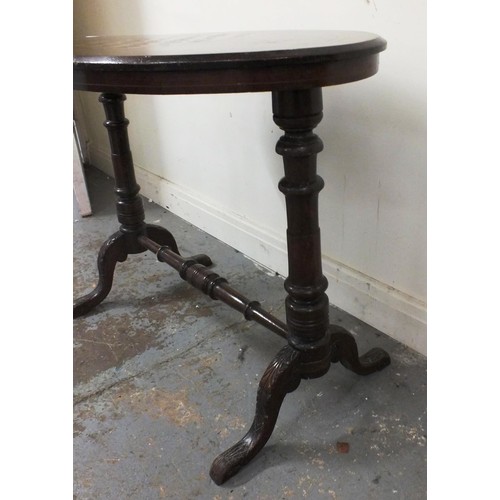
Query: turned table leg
x=298, y=112
x=312, y=343
x=308, y=353
x=129, y=209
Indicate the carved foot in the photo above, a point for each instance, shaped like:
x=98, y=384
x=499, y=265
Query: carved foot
x=112, y=251
x=281, y=377
x=345, y=350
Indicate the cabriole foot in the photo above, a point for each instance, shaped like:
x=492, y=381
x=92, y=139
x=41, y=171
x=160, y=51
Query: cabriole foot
x=281, y=377
x=345, y=350
x=111, y=252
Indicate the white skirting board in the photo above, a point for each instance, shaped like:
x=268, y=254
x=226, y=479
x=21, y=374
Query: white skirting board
x=391, y=311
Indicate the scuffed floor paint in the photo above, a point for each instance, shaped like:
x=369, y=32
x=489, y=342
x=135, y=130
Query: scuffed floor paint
x=166, y=379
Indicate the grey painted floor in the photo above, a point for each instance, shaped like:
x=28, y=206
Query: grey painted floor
x=165, y=379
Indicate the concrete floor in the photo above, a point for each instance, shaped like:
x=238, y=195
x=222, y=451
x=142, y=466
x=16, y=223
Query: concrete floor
x=165, y=379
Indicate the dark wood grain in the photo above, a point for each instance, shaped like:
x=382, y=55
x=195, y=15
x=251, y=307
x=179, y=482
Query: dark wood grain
x=195, y=271
x=345, y=351
x=129, y=208
x=281, y=377
x=298, y=112
x=224, y=62
x=294, y=66
x=113, y=250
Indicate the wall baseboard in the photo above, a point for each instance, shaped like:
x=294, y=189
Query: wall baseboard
x=391, y=311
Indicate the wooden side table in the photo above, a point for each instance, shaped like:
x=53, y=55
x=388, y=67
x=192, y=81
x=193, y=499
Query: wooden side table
x=293, y=66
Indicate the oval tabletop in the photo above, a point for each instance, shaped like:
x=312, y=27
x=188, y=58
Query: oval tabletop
x=224, y=62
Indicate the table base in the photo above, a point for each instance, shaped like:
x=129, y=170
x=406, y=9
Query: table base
x=313, y=343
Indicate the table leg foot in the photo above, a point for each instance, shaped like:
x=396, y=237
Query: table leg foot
x=162, y=236
x=281, y=377
x=345, y=351
x=116, y=249
x=112, y=251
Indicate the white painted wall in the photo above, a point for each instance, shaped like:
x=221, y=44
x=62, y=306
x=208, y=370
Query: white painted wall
x=189, y=149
